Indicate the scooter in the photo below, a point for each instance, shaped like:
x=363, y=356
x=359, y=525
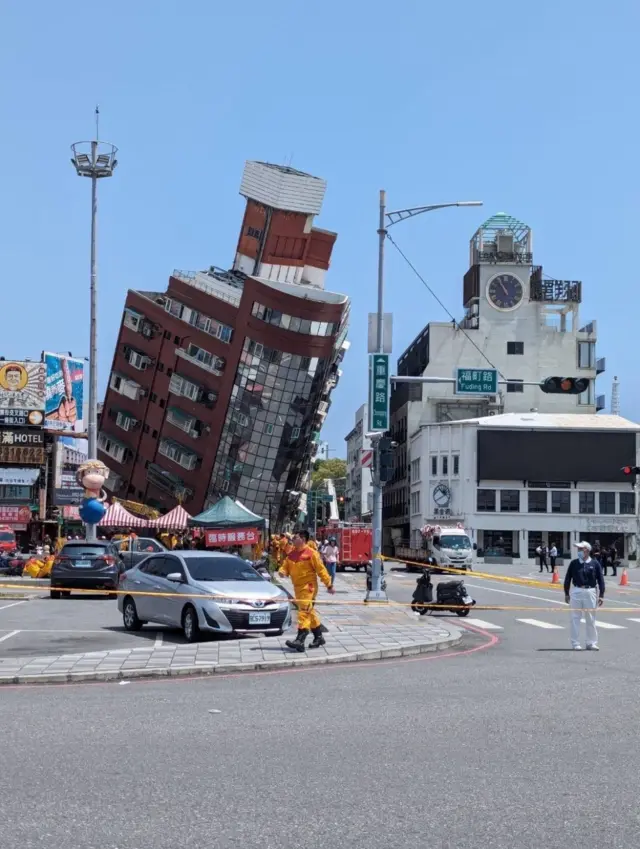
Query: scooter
x=262, y=567
x=450, y=595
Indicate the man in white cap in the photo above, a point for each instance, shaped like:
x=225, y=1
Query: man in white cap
x=586, y=574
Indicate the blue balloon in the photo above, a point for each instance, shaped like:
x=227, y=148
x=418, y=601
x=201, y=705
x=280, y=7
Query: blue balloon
x=91, y=511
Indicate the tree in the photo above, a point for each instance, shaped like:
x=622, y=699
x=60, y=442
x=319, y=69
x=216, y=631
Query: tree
x=323, y=469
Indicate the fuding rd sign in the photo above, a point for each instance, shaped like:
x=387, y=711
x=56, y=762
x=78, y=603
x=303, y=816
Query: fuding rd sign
x=476, y=381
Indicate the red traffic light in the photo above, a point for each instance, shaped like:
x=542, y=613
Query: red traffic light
x=565, y=385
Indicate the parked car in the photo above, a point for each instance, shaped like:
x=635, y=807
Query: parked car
x=86, y=565
x=135, y=550
x=202, y=591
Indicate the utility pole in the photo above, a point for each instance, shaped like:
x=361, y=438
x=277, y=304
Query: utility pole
x=376, y=593
x=95, y=159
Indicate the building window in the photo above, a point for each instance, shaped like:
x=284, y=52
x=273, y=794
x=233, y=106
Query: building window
x=515, y=347
x=131, y=319
x=295, y=433
x=291, y=322
x=509, y=500
x=497, y=543
x=254, y=232
x=534, y=541
x=586, y=354
x=415, y=470
x=607, y=503
x=537, y=501
x=560, y=501
x=445, y=465
x=456, y=464
x=128, y=388
x=124, y=420
x=174, y=451
x=627, y=503
x=115, y=450
x=415, y=503
x=19, y=493
x=587, y=398
x=434, y=466
x=179, y=419
x=587, y=502
x=174, y=308
x=486, y=500
x=515, y=386
x=154, y=398
x=268, y=429
x=181, y=386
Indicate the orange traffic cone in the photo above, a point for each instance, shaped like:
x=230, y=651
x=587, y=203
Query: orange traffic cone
x=624, y=578
x=556, y=577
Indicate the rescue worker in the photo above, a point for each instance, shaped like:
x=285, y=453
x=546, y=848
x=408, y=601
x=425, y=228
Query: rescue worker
x=304, y=566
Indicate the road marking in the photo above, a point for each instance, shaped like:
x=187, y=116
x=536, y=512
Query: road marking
x=8, y=636
x=158, y=642
x=540, y=624
x=543, y=598
x=631, y=619
x=606, y=625
x=480, y=623
x=14, y=604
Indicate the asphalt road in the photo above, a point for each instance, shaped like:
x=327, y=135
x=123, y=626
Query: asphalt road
x=512, y=750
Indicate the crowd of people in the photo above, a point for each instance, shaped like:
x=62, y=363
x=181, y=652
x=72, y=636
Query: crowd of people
x=607, y=556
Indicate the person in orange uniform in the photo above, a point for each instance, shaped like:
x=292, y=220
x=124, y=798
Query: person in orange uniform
x=304, y=566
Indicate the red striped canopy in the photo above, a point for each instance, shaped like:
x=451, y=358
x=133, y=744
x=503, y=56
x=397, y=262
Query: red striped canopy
x=178, y=518
x=117, y=517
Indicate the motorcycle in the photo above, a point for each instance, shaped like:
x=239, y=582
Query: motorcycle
x=451, y=595
x=262, y=567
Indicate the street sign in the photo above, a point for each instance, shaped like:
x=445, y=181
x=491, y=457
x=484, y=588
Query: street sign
x=379, y=391
x=366, y=458
x=476, y=381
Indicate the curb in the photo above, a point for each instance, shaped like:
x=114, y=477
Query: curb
x=201, y=671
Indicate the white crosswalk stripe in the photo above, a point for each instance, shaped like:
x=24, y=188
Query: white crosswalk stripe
x=608, y=625
x=480, y=623
x=631, y=619
x=540, y=624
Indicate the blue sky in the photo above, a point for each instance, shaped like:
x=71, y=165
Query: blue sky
x=531, y=108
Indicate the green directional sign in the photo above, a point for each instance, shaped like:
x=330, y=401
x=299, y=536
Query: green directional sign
x=476, y=381
x=379, y=392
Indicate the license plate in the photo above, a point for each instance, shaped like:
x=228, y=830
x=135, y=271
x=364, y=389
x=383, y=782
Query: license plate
x=467, y=600
x=259, y=618
x=83, y=564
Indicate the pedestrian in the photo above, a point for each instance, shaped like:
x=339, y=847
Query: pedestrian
x=613, y=559
x=585, y=573
x=542, y=553
x=553, y=554
x=331, y=555
x=304, y=566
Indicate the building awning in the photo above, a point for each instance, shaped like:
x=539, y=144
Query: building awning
x=18, y=477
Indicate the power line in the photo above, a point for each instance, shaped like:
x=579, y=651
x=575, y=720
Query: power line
x=448, y=312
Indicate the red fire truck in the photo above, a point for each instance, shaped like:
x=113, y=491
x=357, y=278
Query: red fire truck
x=354, y=541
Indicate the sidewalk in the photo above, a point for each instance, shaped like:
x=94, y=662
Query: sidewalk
x=356, y=633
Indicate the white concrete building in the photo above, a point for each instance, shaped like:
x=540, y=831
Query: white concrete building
x=517, y=321
x=358, y=493
x=519, y=479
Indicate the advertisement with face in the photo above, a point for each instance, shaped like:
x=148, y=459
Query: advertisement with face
x=64, y=393
x=21, y=393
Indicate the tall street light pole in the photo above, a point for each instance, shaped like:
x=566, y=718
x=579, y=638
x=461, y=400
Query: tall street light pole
x=388, y=219
x=93, y=159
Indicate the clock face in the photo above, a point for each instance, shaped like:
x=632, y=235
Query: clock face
x=442, y=495
x=505, y=292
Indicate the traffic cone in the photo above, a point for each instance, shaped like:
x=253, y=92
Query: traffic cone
x=624, y=578
x=556, y=577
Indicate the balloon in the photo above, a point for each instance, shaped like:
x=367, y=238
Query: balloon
x=91, y=511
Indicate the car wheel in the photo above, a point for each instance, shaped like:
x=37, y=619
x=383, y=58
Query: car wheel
x=130, y=616
x=54, y=594
x=190, y=624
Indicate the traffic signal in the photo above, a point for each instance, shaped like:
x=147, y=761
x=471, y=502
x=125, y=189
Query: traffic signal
x=385, y=459
x=565, y=385
x=631, y=470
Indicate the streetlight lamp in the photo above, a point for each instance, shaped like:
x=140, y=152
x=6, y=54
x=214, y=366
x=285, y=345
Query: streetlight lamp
x=93, y=159
x=388, y=219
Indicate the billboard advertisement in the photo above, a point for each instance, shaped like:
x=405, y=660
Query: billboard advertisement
x=64, y=393
x=21, y=393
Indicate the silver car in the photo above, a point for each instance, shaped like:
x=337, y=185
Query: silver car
x=202, y=591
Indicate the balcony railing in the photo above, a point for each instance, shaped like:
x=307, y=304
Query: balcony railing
x=211, y=368
x=215, y=288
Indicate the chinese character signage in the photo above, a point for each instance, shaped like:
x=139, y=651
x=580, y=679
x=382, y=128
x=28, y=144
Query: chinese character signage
x=10, y=515
x=64, y=393
x=246, y=536
x=29, y=455
x=556, y=291
x=379, y=391
x=71, y=513
x=476, y=381
x=21, y=394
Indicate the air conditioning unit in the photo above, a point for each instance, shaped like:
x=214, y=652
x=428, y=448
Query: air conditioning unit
x=504, y=243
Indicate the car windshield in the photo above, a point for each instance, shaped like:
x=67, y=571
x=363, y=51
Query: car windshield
x=221, y=569
x=88, y=550
x=458, y=543
x=7, y=536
